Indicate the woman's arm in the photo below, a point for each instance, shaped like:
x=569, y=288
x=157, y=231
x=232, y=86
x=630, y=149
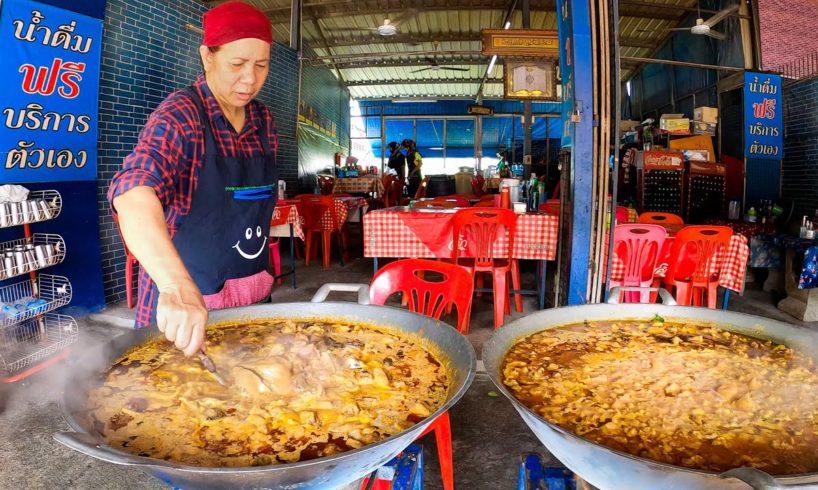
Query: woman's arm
x=147, y=183
x=181, y=313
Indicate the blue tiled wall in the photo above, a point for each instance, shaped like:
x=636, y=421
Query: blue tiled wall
x=147, y=54
x=323, y=92
x=799, y=172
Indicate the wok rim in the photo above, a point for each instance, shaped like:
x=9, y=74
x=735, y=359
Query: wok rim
x=144, y=461
x=494, y=375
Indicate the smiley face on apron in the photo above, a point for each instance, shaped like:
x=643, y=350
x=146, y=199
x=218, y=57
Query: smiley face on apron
x=246, y=246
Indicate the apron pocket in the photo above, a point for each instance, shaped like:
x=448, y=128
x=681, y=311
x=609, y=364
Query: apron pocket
x=241, y=291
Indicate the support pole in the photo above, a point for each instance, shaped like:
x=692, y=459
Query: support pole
x=527, y=119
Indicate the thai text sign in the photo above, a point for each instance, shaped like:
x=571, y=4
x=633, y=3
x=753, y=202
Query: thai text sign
x=520, y=43
x=49, y=79
x=763, y=118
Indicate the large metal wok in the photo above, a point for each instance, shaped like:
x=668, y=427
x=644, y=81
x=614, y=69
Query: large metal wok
x=613, y=470
x=324, y=473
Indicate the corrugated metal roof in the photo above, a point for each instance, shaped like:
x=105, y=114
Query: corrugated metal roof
x=343, y=33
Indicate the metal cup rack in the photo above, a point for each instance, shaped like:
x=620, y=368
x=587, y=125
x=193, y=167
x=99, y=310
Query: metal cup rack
x=30, y=254
x=31, y=336
x=40, y=206
x=25, y=299
x=36, y=341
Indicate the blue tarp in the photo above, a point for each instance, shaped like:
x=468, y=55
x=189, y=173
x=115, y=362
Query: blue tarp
x=499, y=131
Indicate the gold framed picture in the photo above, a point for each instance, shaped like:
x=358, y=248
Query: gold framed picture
x=530, y=79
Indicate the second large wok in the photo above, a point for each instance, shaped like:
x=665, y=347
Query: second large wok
x=613, y=470
x=324, y=473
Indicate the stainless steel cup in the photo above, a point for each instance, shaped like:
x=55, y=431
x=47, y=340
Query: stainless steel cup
x=19, y=262
x=5, y=214
x=8, y=264
x=29, y=212
x=31, y=260
x=16, y=212
x=45, y=209
x=41, y=255
x=49, y=253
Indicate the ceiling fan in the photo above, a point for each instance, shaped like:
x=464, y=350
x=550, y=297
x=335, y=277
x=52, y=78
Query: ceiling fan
x=704, y=27
x=390, y=26
x=435, y=67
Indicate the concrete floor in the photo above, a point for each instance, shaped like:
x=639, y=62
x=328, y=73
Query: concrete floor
x=488, y=435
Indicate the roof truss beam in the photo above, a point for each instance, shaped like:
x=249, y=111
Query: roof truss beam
x=628, y=42
x=421, y=81
x=341, y=8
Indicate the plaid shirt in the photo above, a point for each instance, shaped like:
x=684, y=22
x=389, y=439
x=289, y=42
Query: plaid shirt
x=170, y=154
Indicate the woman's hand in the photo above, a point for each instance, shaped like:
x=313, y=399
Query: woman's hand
x=181, y=314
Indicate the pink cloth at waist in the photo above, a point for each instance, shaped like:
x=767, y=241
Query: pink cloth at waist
x=241, y=292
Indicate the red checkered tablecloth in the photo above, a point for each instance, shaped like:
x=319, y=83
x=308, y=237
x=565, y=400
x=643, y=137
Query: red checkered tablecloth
x=731, y=268
x=287, y=214
x=399, y=232
x=343, y=206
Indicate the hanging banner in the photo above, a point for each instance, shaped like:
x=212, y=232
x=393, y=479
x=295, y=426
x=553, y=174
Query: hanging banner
x=565, y=29
x=49, y=79
x=763, y=117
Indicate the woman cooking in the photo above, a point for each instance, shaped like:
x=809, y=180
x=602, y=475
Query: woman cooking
x=195, y=197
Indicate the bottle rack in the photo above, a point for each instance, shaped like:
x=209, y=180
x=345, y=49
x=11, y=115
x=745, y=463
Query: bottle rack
x=662, y=191
x=705, y=192
x=32, y=337
x=40, y=206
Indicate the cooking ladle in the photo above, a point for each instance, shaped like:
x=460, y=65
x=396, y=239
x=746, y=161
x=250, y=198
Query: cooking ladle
x=207, y=362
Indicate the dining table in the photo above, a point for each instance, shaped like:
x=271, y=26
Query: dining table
x=287, y=222
x=427, y=233
x=365, y=184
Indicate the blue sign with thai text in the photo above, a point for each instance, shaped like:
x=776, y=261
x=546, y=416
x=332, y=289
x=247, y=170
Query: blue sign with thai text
x=565, y=31
x=49, y=78
x=763, y=117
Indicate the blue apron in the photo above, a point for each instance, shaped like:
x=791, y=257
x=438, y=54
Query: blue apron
x=225, y=234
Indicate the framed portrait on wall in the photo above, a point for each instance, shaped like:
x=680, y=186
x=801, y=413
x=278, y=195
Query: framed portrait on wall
x=530, y=79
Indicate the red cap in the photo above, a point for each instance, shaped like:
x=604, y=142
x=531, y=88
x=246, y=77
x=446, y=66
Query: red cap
x=234, y=20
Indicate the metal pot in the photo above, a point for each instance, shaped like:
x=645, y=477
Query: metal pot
x=324, y=473
x=614, y=470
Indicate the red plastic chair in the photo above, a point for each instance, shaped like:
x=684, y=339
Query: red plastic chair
x=320, y=218
x=477, y=185
x=275, y=257
x=421, y=192
x=622, y=215
x=430, y=298
x=130, y=262
x=393, y=195
x=638, y=246
x=692, y=270
x=551, y=206
x=482, y=227
x=326, y=183
x=661, y=219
